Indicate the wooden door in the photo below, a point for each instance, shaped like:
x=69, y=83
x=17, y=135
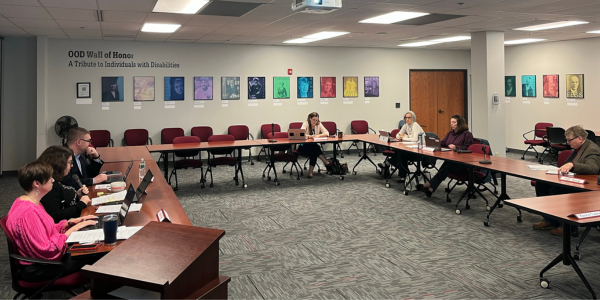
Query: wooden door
x=435, y=96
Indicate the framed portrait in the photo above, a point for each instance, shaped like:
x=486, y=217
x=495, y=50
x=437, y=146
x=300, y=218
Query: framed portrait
x=550, y=86
x=112, y=89
x=83, y=90
x=510, y=86
x=327, y=87
x=371, y=86
x=350, y=87
x=575, y=86
x=528, y=86
x=143, y=88
x=305, y=87
x=230, y=88
x=256, y=88
x=281, y=87
x=203, y=88
x=174, y=88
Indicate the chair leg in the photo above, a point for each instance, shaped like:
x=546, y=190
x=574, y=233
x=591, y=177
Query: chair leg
x=17, y=296
x=577, y=255
x=261, y=151
x=72, y=293
x=340, y=148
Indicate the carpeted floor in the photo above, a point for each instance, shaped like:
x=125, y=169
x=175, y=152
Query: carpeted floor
x=324, y=238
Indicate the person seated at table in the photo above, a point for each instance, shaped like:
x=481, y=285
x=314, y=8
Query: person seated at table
x=459, y=137
x=86, y=160
x=409, y=132
x=34, y=232
x=62, y=201
x=585, y=160
x=314, y=129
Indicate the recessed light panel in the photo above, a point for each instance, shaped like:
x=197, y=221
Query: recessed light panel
x=162, y=28
x=316, y=37
x=179, y=6
x=393, y=17
x=522, y=41
x=551, y=25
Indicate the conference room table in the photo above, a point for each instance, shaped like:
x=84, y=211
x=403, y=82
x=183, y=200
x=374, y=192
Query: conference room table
x=127, y=153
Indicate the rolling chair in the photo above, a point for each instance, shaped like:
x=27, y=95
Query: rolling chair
x=284, y=155
x=557, y=141
x=101, y=138
x=360, y=127
x=136, y=137
x=166, y=137
x=539, y=131
x=188, y=160
x=241, y=133
x=265, y=129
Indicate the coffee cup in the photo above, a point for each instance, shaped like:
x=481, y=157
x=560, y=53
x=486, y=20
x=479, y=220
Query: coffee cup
x=118, y=186
x=340, y=134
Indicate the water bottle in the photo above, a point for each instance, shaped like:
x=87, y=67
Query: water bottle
x=142, y=169
x=420, y=141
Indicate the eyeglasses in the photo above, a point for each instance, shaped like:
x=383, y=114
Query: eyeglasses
x=70, y=163
x=570, y=140
x=89, y=141
x=408, y=117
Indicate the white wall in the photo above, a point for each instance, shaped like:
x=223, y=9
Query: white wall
x=569, y=57
x=18, y=102
x=392, y=65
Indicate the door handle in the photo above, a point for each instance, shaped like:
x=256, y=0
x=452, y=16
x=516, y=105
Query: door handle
x=440, y=111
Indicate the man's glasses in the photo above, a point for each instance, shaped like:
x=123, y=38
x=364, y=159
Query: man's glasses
x=89, y=141
x=570, y=140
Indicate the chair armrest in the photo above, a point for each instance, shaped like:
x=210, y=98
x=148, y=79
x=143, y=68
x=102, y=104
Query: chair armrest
x=123, y=142
x=251, y=136
x=375, y=132
x=150, y=140
x=530, y=131
x=111, y=143
x=36, y=260
x=353, y=132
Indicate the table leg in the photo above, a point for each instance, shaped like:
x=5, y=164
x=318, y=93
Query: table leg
x=500, y=201
x=272, y=156
x=166, y=167
x=364, y=156
x=239, y=169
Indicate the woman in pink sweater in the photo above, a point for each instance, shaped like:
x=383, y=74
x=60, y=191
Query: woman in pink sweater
x=34, y=232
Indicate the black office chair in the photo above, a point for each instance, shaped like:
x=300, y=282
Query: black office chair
x=557, y=141
x=591, y=136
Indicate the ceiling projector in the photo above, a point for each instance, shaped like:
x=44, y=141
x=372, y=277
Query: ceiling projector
x=316, y=6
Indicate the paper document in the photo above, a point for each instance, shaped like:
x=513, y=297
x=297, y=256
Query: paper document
x=409, y=142
x=320, y=138
x=102, y=186
x=123, y=233
x=108, y=209
x=412, y=146
x=120, y=196
x=555, y=172
x=135, y=207
x=542, y=167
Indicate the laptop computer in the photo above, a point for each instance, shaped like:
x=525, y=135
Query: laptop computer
x=388, y=135
x=297, y=134
x=143, y=185
x=112, y=179
x=435, y=144
x=129, y=198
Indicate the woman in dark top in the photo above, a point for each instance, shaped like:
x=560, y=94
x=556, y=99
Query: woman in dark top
x=62, y=202
x=459, y=137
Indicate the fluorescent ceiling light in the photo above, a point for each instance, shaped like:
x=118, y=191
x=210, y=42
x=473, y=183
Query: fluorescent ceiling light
x=438, y=41
x=179, y=6
x=163, y=28
x=393, y=17
x=551, y=25
x=595, y=31
x=316, y=37
x=522, y=41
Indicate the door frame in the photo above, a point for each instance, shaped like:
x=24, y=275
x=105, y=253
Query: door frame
x=466, y=91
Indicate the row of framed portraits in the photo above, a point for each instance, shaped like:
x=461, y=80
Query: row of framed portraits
x=144, y=88
x=550, y=88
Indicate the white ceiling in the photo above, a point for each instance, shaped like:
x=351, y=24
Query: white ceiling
x=274, y=21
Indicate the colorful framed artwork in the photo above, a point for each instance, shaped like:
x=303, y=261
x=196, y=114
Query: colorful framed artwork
x=230, y=88
x=174, y=88
x=305, y=87
x=371, y=86
x=281, y=87
x=550, y=89
x=203, y=88
x=112, y=89
x=528, y=86
x=327, y=87
x=510, y=86
x=143, y=88
x=575, y=86
x=256, y=88
x=350, y=87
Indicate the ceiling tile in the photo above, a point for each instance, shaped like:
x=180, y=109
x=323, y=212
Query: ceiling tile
x=73, y=14
x=246, y=39
x=85, y=37
x=117, y=38
x=83, y=4
x=461, y=4
x=124, y=17
x=83, y=32
x=232, y=31
x=45, y=31
x=128, y=5
x=34, y=23
x=8, y=31
x=210, y=20
x=270, y=11
x=168, y=18
x=250, y=24
x=181, y=40
x=119, y=34
x=153, y=35
x=265, y=32
x=78, y=25
x=121, y=26
x=150, y=39
x=20, y=2
x=4, y=22
x=24, y=12
x=216, y=37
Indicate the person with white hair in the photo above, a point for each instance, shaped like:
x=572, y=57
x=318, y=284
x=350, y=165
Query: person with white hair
x=409, y=132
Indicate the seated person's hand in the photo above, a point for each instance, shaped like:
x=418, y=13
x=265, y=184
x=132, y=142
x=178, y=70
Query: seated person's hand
x=100, y=178
x=91, y=152
x=83, y=191
x=84, y=224
x=85, y=199
x=451, y=146
x=566, y=168
x=81, y=219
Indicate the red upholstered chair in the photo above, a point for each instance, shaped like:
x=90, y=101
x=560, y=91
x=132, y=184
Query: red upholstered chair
x=241, y=133
x=101, y=138
x=222, y=160
x=388, y=153
x=188, y=160
x=282, y=153
x=34, y=289
x=479, y=176
x=360, y=127
x=203, y=132
x=296, y=125
x=332, y=129
x=265, y=129
x=166, y=137
x=136, y=137
x=539, y=135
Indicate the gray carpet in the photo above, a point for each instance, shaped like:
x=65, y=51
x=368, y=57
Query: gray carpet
x=324, y=238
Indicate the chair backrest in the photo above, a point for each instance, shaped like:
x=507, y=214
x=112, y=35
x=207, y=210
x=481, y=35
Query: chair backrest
x=203, y=132
x=563, y=156
x=101, y=138
x=296, y=125
x=168, y=134
x=556, y=135
x=265, y=129
x=394, y=132
x=591, y=136
x=400, y=124
x=360, y=126
x=14, y=264
x=540, y=129
x=239, y=132
x=330, y=126
x=221, y=138
x=278, y=135
x=184, y=140
x=478, y=148
x=136, y=137
x=476, y=141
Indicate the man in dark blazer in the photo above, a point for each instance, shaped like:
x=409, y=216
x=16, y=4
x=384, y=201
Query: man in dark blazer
x=585, y=160
x=86, y=160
